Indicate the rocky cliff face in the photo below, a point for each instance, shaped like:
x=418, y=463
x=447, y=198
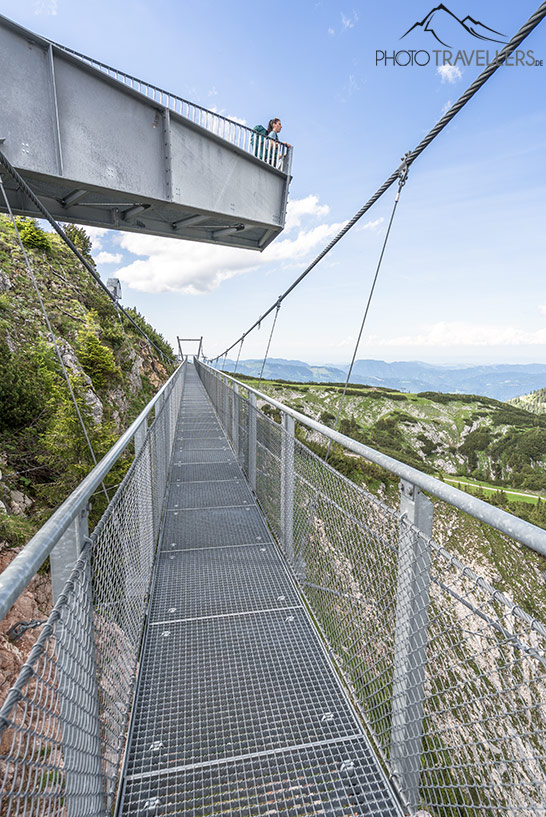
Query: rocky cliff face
x=113, y=372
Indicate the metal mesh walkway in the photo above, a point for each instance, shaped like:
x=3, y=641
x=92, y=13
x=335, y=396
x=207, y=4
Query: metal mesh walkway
x=238, y=709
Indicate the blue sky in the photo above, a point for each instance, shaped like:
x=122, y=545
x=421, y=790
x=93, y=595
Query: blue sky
x=463, y=278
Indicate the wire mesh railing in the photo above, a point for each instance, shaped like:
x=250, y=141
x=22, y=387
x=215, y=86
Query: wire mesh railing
x=276, y=154
x=448, y=671
x=63, y=724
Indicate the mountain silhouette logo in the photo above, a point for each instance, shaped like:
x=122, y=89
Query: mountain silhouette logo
x=443, y=25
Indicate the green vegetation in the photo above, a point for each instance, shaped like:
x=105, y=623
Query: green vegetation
x=21, y=392
x=112, y=369
x=455, y=435
x=535, y=402
x=80, y=239
x=33, y=236
x=97, y=360
x=154, y=336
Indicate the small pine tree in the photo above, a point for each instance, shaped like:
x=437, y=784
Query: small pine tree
x=79, y=238
x=97, y=360
x=33, y=236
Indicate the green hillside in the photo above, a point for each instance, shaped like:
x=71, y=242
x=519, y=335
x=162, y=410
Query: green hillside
x=441, y=434
x=476, y=438
x=534, y=402
x=112, y=369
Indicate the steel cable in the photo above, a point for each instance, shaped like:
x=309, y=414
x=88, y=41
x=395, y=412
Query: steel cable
x=501, y=58
x=239, y=354
x=21, y=183
x=270, y=337
x=51, y=333
x=308, y=525
x=401, y=183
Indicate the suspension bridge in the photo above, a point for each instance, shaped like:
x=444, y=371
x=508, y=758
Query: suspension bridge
x=246, y=631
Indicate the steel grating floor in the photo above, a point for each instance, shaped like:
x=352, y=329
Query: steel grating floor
x=238, y=709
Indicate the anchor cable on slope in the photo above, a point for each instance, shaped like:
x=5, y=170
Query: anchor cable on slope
x=51, y=332
x=501, y=58
x=21, y=183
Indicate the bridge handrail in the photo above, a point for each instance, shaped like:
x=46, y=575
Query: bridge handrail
x=22, y=569
x=525, y=532
x=242, y=136
x=446, y=667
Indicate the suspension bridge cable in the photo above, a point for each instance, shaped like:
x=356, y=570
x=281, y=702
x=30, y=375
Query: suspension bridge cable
x=51, y=332
x=270, y=336
x=4, y=161
x=401, y=182
x=239, y=353
x=499, y=60
x=308, y=522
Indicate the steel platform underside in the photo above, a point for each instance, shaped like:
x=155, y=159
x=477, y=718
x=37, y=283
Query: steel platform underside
x=238, y=708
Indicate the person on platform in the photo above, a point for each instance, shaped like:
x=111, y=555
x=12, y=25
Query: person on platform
x=274, y=153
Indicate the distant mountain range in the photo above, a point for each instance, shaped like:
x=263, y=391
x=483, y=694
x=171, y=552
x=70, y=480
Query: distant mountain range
x=502, y=381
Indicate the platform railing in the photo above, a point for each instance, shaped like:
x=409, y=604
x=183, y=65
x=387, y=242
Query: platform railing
x=448, y=671
x=276, y=154
x=63, y=724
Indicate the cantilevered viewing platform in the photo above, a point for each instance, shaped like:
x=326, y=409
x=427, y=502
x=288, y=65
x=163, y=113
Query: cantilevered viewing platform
x=102, y=148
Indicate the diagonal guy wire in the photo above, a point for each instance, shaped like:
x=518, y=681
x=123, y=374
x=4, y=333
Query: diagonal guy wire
x=500, y=59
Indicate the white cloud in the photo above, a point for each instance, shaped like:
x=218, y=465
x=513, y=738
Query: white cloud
x=331, y=32
x=96, y=234
x=371, y=225
x=449, y=73
x=175, y=265
x=213, y=91
x=460, y=333
x=352, y=84
x=447, y=106
x=346, y=342
x=222, y=112
x=309, y=206
x=349, y=22
x=108, y=258
x=306, y=240
x=49, y=7
x=542, y=309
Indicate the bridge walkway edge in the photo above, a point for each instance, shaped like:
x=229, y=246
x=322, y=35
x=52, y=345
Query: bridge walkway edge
x=238, y=708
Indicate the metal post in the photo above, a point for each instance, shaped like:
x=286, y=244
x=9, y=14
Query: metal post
x=235, y=420
x=412, y=601
x=287, y=486
x=64, y=555
x=223, y=403
x=140, y=435
x=158, y=470
x=168, y=423
x=144, y=493
x=79, y=713
x=225, y=389
x=252, y=439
